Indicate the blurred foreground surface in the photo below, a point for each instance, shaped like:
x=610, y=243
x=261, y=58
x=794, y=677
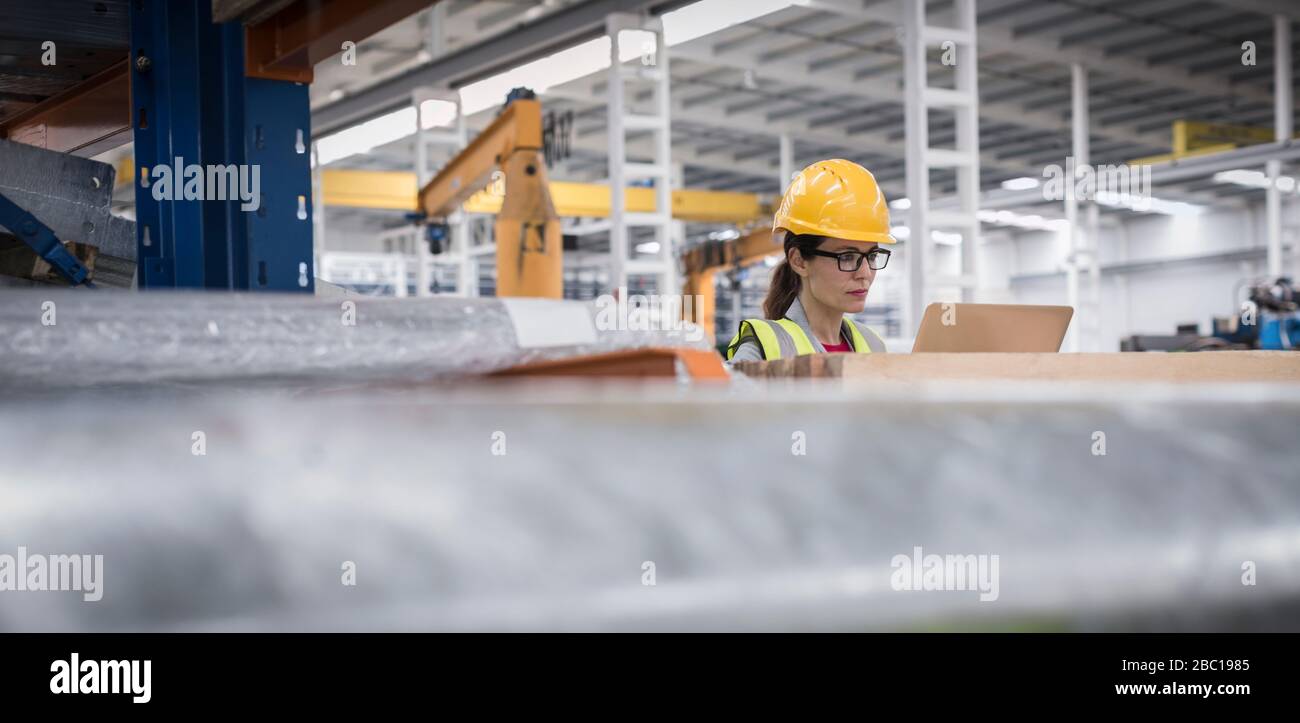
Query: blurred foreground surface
x=525, y=506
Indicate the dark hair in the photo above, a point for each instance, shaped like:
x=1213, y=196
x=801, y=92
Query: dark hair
x=785, y=285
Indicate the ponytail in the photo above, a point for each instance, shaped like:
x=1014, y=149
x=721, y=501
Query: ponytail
x=782, y=292
x=786, y=284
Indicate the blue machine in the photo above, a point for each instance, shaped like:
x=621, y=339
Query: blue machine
x=1279, y=314
x=193, y=106
x=1279, y=331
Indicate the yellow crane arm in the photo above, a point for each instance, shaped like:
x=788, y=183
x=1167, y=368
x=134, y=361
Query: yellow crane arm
x=704, y=261
x=517, y=129
x=529, y=245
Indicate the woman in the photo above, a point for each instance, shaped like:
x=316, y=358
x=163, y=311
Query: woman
x=831, y=222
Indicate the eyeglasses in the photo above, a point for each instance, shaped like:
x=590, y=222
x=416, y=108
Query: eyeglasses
x=876, y=258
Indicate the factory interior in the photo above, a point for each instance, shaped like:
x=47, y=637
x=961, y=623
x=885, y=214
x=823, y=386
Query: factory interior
x=455, y=315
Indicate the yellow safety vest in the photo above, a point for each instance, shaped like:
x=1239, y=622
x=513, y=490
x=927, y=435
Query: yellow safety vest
x=784, y=338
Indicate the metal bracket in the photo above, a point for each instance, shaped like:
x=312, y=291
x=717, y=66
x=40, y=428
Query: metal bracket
x=71, y=195
x=42, y=240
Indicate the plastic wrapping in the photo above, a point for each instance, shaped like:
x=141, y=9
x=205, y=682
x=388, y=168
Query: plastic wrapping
x=510, y=509
x=51, y=339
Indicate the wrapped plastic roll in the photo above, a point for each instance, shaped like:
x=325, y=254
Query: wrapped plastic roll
x=75, y=338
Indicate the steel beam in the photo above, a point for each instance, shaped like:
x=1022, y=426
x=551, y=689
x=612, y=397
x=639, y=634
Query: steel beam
x=561, y=29
x=1168, y=172
x=996, y=36
x=581, y=90
x=889, y=92
x=289, y=43
x=86, y=120
x=249, y=11
x=1286, y=8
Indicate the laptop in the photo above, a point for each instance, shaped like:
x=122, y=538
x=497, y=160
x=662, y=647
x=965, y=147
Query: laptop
x=952, y=327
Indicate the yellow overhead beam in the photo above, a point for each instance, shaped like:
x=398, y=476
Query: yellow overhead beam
x=396, y=190
x=1166, y=157
x=1195, y=135
x=390, y=190
x=1195, y=138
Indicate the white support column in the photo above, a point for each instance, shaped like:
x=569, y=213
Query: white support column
x=318, y=211
x=666, y=231
x=423, y=172
x=968, y=143
x=737, y=297
x=786, y=163
x=919, y=98
x=653, y=68
x=916, y=136
x=457, y=138
x=618, y=251
x=673, y=284
x=1282, y=126
x=1093, y=230
x=461, y=238
x=1080, y=248
x=435, y=42
x=1273, y=216
x=397, y=273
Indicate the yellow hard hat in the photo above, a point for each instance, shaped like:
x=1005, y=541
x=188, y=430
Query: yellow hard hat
x=838, y=199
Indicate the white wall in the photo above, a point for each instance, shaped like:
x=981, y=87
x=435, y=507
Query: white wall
x=1028, y=268
x=359, y=229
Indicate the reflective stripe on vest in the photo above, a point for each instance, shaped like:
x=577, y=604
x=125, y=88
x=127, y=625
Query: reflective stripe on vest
x=773, y=341
x=864, y=343
x=784, y=338
x=802, y=345
x=861, y=343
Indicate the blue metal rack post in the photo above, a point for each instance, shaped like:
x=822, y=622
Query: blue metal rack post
x=193, y=104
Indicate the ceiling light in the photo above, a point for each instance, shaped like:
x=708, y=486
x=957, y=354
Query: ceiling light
x=1148, y=204
x=1023, y=183
x=1030, y=222
x=1254, y=179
